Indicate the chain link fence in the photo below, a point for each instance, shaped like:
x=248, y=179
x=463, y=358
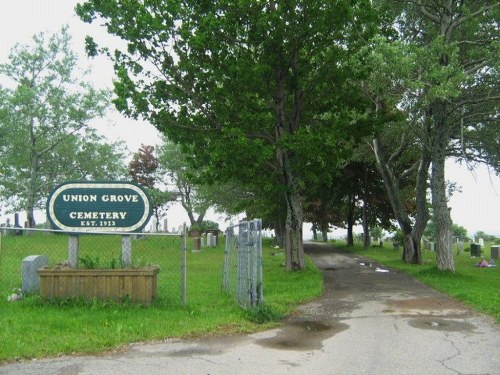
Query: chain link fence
x=165, y=250
x=243, y=263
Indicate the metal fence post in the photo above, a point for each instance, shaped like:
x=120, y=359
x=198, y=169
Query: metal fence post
x=258, y=264
x=126, y=250
x=183, y=266
x=73, y=250
x=225, y=276
x=249, y=268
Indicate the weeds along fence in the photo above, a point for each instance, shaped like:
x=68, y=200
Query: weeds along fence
x=167, y=251
x=243, y=263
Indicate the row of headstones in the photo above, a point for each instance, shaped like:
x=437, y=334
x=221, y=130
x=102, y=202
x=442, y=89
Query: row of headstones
x=155, y=227
x=475, y=248
x=206, y=240
x=8, y=229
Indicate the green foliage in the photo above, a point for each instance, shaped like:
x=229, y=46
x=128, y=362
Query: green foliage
x=376, y=232
x=459, y=231
x=257, y=94
x=88, y=262
x=209, y=225
x=174, y=164
x=263, y=314
x=45, y=136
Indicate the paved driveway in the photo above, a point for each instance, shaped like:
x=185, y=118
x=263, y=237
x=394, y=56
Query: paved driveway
x=368, y=322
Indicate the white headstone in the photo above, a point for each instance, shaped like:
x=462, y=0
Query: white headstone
x=481, y=242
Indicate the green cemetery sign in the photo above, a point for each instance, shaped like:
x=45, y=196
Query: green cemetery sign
x=99, y=207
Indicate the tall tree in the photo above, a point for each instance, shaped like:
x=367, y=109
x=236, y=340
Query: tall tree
x=384, y=71
x=143, y=166
x=144, y=169
x=239, y=80
x=173, y=165
x=457, y=51
x=46, y=132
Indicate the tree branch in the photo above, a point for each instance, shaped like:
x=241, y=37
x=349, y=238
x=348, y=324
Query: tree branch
x=426, y=13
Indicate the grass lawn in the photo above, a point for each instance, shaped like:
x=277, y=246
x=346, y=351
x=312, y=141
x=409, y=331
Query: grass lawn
x=32, y=328
x=477, y=287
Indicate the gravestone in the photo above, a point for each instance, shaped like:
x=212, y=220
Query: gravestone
x=18, y=229
x=196, y=244
x=30, y=278
x=210, y=239
x=165, y=225
x=481, y=242
x=495, y=250
x=154, y=226
x=475, y=250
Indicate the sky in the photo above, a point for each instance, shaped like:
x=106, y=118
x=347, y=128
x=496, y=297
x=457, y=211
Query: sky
x=476, y=207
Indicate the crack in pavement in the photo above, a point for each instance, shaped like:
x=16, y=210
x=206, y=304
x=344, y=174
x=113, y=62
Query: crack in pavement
x=458, y=352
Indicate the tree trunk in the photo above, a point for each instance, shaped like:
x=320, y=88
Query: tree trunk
x=279, y=233
x=294, y=248
x=324, y=232
x=315, y=232
x=366, y=230
x=442, y=218
x=350, y=221
x=441, y=211
x=350, y=236
x=288, y=124
x=30, y=218
x=412, y=233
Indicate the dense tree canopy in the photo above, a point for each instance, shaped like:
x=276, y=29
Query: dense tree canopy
x=245, y=83
x=280, y=99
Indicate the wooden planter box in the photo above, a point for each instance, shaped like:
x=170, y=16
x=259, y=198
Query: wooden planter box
x=137, y=284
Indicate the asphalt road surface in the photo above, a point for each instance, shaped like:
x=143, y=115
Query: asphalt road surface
x=367, y=322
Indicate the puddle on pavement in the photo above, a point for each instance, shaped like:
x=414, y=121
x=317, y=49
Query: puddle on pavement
x=442, y=325
x=426, y=303
x=189, y=352
x=303, y=335
x=70, y=370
